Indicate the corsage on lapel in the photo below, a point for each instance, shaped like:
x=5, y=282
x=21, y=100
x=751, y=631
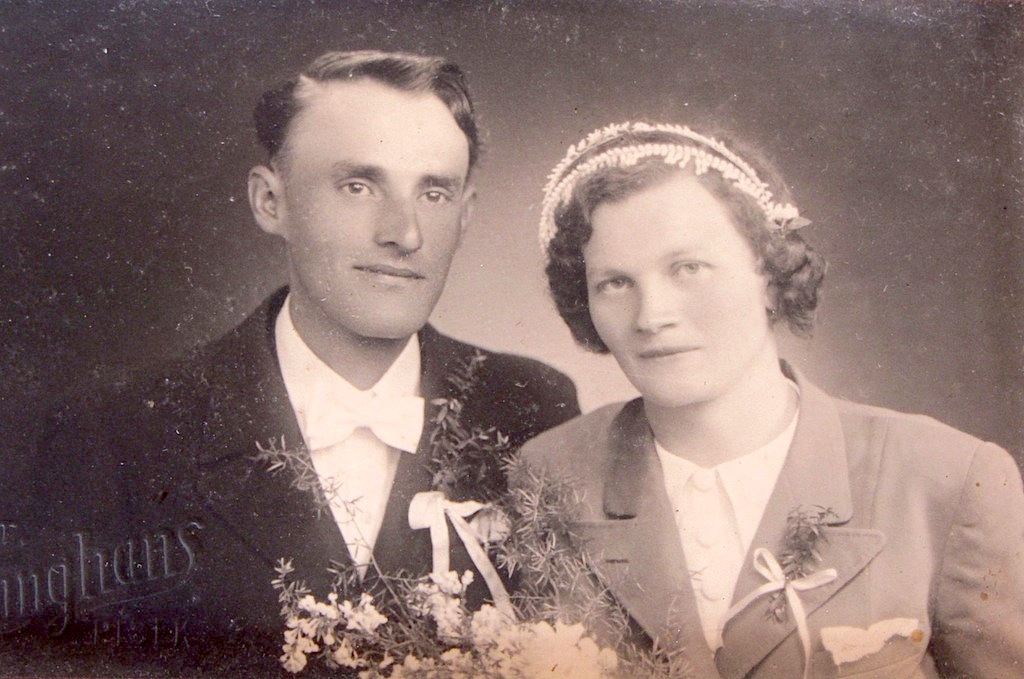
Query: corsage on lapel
x=804, y=527
x=792, y=572
x=465, y=462
x=465, y=466
x=467, y=476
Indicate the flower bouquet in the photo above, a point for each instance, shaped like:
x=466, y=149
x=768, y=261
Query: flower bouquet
x=431, y=634
x=558, y=621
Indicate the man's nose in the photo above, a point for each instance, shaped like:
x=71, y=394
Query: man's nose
x=398, y=226
x=658, y=307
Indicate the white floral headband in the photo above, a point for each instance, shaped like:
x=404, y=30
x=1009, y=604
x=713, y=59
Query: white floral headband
x=705, y=152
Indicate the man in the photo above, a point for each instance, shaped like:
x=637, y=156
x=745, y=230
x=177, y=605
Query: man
x=165, y=504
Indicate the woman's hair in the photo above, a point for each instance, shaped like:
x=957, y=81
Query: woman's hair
x=622, y=160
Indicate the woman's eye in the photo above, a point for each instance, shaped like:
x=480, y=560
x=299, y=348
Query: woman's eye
x=689, y=268
x=612, y=285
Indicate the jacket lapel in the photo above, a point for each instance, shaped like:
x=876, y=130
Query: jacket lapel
x=637, y=551
x=400, y=548
x=262, y=510
x=817, y=445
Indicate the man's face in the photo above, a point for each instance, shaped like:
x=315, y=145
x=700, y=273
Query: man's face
x=373, y=206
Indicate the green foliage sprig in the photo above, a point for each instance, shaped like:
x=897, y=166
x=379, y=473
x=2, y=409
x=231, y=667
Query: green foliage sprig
x=799, y=555
x=466, y=463
x=555, y=584
x=278, y=457
x=555, y=580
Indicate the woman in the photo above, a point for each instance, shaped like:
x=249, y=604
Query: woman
x=735, y=510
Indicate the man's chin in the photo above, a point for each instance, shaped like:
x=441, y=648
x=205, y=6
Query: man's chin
x=390, y=329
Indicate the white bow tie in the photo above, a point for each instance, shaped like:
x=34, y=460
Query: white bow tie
x=395, y=420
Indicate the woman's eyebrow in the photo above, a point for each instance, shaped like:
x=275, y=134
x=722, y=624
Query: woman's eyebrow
x=606, y=271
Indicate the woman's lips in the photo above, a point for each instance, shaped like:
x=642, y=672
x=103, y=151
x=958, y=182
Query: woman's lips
x=664, y=352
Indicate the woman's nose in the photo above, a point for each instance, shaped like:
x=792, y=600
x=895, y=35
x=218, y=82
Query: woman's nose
x=659, y=308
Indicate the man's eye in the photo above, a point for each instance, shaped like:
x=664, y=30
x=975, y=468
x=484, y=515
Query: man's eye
x=356, y=188
x=437, y=196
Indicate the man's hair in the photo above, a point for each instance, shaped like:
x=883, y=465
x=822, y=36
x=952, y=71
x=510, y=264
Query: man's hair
x=794, y=270
x=407, y=72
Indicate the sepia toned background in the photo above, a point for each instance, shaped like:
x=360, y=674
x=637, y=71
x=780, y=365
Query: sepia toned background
x=126, y=136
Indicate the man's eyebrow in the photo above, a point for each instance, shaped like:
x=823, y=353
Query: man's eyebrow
x=344, y=170
x=452, y=183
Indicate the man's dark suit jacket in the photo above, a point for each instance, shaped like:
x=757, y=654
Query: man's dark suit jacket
x=157, y=480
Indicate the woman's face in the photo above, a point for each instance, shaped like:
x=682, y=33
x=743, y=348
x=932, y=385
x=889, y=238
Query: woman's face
x=675, y=293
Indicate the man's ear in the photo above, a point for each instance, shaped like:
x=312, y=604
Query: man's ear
x=466, y=212
x=266, y=199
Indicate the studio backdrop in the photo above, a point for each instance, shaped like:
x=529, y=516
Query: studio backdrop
x=126, y=137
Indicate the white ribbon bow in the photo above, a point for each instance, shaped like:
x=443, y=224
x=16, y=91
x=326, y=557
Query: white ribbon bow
x=766, y=564
x=395, y=420
x=428, y=509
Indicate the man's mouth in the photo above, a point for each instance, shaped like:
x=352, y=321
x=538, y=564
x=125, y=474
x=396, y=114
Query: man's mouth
x=391, y=271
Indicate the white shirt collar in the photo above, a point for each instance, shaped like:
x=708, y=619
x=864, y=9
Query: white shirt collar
x=748, y=480
x=313, y=386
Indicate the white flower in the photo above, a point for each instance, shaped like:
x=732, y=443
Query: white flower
x=449, y=615
x=307, y=627
x=295, y=648
x=310, y=605
x=293, y=662
x=412, y=666
x=307, y=603
x=487, y=626
x=363, y=617
x=458, y=664
x=564, y=651
x=784, y=212
x=450, y=583
x=306, y=645
x=441, y=599
x=346, y=656
x=603, y=658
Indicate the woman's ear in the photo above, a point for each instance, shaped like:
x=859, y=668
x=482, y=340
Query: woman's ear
x=771, y=300
x=266, y=199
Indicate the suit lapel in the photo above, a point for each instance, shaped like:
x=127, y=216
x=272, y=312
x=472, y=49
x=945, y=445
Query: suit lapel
x=637, y=551
x=262, y=510
x=398, y=547
x=817, y=445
